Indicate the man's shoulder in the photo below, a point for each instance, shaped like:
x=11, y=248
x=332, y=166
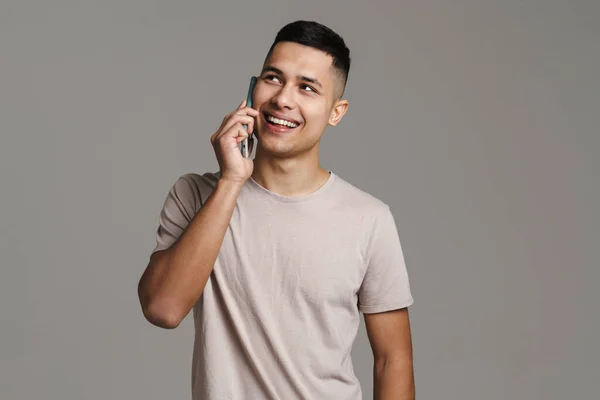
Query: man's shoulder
x=207, y=180
x=195, y=186
x=354, y=197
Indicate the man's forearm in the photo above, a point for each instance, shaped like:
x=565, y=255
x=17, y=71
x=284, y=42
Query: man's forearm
x=393, y=380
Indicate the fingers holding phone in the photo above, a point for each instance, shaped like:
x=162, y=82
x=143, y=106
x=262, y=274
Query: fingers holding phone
x=244, y=115
x=226, y=143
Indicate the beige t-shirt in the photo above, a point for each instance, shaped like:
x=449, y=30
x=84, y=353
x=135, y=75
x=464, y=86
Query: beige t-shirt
x=280, y=312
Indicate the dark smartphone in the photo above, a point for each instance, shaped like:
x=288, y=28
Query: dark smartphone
x=245, y=146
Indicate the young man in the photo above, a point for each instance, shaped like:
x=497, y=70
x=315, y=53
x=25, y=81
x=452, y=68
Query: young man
x=277, y=256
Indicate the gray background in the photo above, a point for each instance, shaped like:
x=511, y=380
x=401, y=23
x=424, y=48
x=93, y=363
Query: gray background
x=476, y=121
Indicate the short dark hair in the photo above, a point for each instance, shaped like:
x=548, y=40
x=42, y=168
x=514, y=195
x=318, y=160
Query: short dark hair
x=320, y=37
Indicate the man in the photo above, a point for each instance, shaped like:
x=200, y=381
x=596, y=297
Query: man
x=277, y=256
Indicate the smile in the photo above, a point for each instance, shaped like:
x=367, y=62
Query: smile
x=279, y=121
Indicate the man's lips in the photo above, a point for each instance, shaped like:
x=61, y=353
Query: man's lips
x=276, y=128
x=280, y=116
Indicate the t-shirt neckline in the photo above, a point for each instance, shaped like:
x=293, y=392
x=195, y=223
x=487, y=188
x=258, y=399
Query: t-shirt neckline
x=293, y=199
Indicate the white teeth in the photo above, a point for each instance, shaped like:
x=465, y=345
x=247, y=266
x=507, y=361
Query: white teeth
x=281, y=121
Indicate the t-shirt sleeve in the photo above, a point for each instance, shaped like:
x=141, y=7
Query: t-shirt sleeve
x=385, y=286
x=178, y=210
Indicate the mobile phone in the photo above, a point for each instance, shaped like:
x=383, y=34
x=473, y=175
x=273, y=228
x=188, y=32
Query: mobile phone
x=245, y=146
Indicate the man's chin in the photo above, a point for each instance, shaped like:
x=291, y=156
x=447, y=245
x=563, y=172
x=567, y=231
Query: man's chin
x=274, y=149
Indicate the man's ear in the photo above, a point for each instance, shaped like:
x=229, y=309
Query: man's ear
x=338, y=111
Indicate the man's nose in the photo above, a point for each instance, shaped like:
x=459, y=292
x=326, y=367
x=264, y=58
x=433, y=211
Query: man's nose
x=284, y=98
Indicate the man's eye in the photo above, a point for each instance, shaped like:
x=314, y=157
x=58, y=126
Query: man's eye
x=310, y=89
x=271, y=77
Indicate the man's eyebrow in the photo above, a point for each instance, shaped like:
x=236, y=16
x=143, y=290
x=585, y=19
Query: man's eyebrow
x=311, y=80
x=276, y=70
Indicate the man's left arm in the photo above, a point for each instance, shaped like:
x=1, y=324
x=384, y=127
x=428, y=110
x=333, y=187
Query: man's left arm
x=390, y=337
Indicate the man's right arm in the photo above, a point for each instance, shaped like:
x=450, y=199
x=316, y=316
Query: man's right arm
x=175, y=278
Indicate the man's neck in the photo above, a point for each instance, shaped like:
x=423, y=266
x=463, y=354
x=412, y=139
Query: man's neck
x=289, y=177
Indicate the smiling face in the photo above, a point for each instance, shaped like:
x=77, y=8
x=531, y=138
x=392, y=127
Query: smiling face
x=297, y=96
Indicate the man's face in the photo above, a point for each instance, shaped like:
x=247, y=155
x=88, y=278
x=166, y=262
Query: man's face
x=296, y=95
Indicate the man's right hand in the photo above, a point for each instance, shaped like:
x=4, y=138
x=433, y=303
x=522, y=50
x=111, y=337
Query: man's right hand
x=234, y=167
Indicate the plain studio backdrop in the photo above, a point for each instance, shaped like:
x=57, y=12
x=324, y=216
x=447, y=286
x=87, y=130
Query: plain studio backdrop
x=476, y=121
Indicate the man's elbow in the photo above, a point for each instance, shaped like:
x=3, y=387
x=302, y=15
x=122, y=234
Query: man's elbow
x=162, y=315
x=159, y=311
